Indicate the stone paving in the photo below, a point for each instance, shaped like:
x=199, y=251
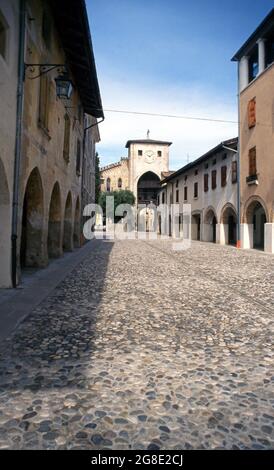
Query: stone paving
x=141, y=347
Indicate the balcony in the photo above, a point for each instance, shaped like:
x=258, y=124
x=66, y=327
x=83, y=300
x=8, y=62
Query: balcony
x=252, y=179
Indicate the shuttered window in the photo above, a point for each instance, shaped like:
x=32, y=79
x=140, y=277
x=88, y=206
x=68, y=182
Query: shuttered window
x=66, y=149
x=44, y=102
x=196, y=190
x=185, y=193
x=252, y=162
x=206, y=182
x=223, y=176
x=252, y=113
x=214, y=179
x=234, y=176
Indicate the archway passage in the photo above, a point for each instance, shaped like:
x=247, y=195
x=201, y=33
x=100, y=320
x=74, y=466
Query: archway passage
x=229, y=221
x=210, y=228
x=256, y=218
x=31, y=254
x=67, y=235
x=76, y=232
x=148, y=188
x=54, y=226
x=5, y=224
x=196, y=227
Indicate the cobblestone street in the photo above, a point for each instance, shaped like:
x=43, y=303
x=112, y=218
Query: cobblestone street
x=142, y=347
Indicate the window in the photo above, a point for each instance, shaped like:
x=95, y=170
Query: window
x=253, y=65
x=44, y=102
x=177, y=195
x=78, y=158
x=186, y=178
x=108, y=185
x=224, y=157
x=214, y=179
x=196, y=190
x=159, y=153
x=196, y=172
x=46, y=29
x=66, y=148
x=223, y=176
x=171, y=198
x=177, y=183
x=185, y=193
x=252, y=162
x=120, y=183
x=206, y=166
x=158, y=200
x=270, y=51
x=252, y=113
x=140, y=153
x=206, y=182
x=163, y=198
x=3, y=37
x=234, y=176
x=214, y=162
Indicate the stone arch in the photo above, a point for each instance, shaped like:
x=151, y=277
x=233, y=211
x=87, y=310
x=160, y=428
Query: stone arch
x=210, y=225
x=32, y=252
x=148, y=186
x=5, y=224
x=196, y=220
x=256, y=216
x=54, y=224
x=76, y=231
x=68, y=232
x=250, y=204
x=228, y=221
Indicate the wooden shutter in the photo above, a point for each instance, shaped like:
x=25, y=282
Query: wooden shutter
x=214, y=179
x=223, y=176
x=252, y=162
x=252, y=113
x=234, y=176
x=206, y=182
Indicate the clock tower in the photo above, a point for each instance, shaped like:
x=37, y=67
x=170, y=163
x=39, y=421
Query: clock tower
x=148, y=159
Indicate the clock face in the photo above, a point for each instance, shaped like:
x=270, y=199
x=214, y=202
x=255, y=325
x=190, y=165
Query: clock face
x=149, y=156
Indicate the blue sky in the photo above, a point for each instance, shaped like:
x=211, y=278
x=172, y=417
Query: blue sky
x=170, y=57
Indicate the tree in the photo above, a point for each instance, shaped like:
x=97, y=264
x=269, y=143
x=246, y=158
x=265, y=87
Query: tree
x=124, y=196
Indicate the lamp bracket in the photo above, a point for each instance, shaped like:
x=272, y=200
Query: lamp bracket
x=44, y=69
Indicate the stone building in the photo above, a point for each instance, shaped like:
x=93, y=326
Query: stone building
x=209, y=185
x=115, y=176
x=9, y=49
x=141, y=172
x=57, y=53
x=256, y=97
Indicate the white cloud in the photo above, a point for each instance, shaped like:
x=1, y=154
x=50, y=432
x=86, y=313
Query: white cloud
x=190, y=138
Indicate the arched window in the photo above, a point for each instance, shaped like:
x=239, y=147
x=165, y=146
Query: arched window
x=120, y=183
x=108, y=185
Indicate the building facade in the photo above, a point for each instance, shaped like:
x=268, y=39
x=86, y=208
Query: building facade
x=209, y=185
x=256, y=96
x=141, y=172
x=9, y=50
x=53, y=154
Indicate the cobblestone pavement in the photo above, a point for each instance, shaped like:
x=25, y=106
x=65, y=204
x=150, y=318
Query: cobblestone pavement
x=142, y=347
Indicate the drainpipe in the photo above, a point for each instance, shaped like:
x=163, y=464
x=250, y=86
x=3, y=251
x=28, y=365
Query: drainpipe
x=238, y=168
x=18, y=142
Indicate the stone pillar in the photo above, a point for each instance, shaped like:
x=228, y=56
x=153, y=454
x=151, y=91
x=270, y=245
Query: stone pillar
x=243, y=72
x=223, y=234
x=261, y=54
x=269, y=238
x=246, y=236
x=218, y=233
